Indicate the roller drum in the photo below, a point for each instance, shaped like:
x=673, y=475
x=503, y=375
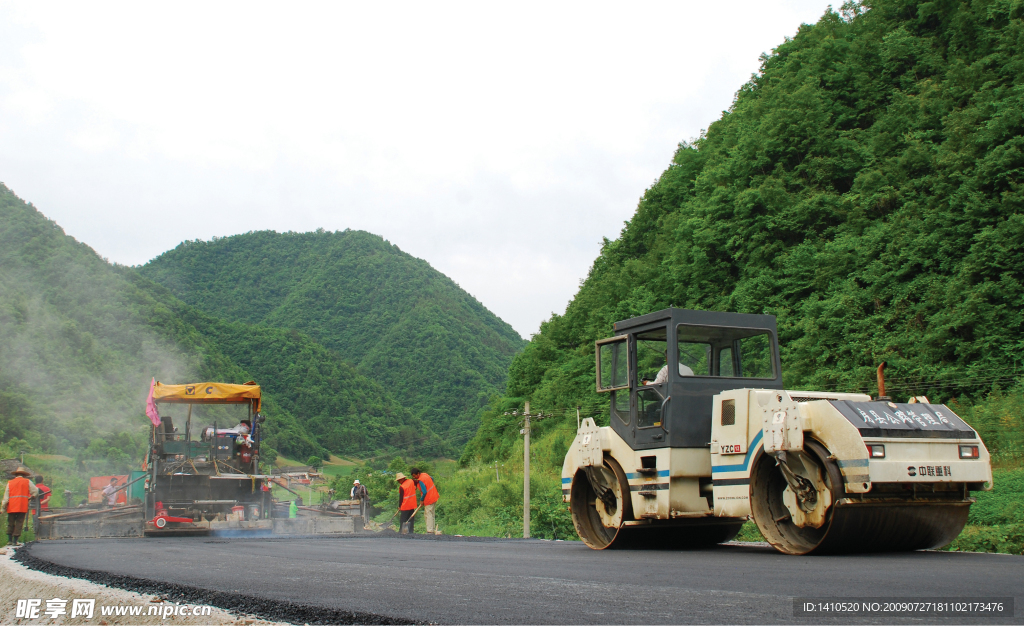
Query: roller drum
x=869, y=528
x=658, y=535
x=851, y=527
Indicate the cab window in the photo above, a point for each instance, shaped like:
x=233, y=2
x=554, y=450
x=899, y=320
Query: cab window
x=725, y=352
x=612, y=364
x=651, y=347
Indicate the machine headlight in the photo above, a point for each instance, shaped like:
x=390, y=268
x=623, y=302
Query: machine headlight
x=968, y=451
x=876, y=451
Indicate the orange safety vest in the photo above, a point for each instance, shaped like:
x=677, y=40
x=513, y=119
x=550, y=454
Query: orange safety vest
x=19, y=494
x=430, y=494
x=408, y=489
x=44, y=497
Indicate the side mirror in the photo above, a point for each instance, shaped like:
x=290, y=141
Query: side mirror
x=260, y=418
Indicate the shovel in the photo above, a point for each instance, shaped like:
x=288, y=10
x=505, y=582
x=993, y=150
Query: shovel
x=387, y=525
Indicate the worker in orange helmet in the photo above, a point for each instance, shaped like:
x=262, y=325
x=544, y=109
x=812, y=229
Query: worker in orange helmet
x=428, y=490
x=406, y=502
x=16, y=496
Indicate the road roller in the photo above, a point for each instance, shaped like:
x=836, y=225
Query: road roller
x=703, y=437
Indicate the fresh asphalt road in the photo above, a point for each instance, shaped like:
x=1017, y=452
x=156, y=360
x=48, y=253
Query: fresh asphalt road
x=453, y=580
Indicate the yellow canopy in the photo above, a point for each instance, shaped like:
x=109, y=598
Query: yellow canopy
x=207, y=393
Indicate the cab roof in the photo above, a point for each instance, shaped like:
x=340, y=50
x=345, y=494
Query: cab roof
x=693, y=316
x=208, y=393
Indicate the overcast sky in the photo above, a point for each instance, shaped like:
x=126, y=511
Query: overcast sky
x=498, y=141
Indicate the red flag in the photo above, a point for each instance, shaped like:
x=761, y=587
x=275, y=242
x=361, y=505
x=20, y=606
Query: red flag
x=151, y=411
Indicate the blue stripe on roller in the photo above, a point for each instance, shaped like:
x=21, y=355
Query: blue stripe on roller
x=746, y=459
x=566, y=480
x=853, y=463
x=637, y=475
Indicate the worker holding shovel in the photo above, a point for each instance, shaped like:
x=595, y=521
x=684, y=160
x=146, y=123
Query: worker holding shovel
x=406, y=502
x=429, y=491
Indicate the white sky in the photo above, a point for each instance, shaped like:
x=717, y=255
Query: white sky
x=499, y=142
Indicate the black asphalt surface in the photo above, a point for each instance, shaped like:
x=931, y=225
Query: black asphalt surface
x=451, y=580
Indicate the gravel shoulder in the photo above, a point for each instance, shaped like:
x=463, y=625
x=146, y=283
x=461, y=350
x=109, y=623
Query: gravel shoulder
x=21, y=582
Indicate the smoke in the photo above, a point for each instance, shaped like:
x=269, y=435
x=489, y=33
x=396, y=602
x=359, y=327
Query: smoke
x=79, y=339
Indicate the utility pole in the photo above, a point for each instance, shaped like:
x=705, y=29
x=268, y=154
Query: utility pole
x=526, y=471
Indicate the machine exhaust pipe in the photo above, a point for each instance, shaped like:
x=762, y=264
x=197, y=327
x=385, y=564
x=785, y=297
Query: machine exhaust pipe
x=881, y=383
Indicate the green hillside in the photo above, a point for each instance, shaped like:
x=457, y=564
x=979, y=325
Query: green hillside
x=866, y=187
x=80, y=339
x=434, y=347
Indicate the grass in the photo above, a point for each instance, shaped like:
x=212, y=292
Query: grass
x=283, y=461
x=332, y=471
x=332, y=468
x=996, y=521
x=341, y=461
x=34, y=458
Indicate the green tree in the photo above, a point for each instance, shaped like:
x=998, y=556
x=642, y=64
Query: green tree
x=865, y=187
x=400, y=322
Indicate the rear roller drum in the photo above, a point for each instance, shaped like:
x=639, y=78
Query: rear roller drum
x=598, y=518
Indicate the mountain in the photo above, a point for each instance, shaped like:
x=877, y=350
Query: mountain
x=434, y=347
x=866, y=187
x=80, y=339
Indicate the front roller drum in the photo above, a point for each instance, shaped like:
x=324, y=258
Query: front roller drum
x=849, y=527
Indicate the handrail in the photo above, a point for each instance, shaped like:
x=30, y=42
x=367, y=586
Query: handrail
x=663, y=421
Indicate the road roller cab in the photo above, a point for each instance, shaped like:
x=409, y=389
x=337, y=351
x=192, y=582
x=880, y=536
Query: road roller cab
x=702, y=437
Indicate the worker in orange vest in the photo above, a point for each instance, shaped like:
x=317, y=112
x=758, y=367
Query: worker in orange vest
x=428, y=490
x=44, y=496
x=16, y=496
x=406, y=502
x=43, y=502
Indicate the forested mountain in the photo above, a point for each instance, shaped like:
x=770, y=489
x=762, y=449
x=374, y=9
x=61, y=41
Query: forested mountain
x=434, y=347
x=80, y=339
x=866, y=187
